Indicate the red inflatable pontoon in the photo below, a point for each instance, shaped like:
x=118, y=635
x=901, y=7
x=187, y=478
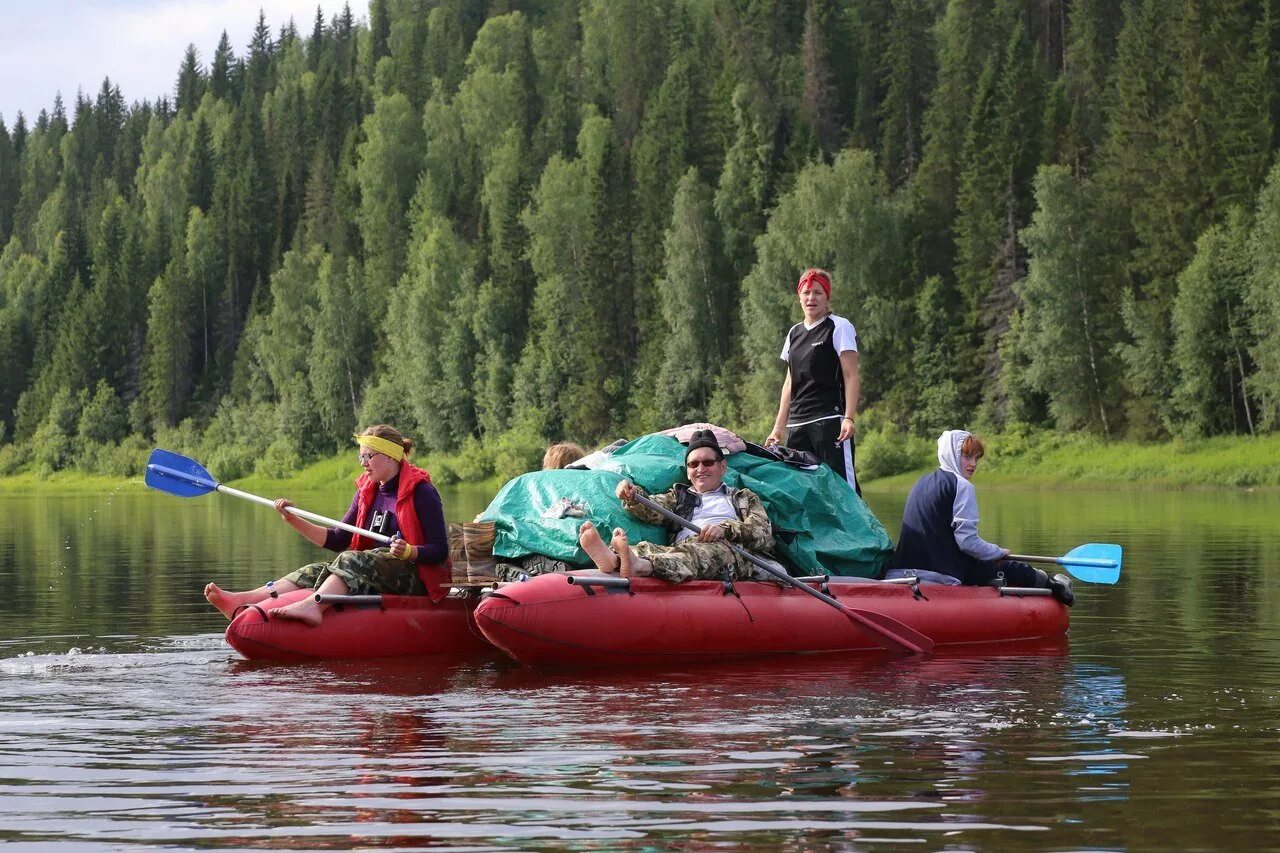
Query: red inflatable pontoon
x=559, y=620
x=398, y=625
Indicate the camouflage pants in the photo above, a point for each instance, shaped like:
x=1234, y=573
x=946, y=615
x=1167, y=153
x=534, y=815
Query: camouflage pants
x=693, y=559
x=530, y=566
x=364, y=573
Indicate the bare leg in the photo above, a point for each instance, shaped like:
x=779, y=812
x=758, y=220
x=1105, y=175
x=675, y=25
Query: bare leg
x=589, y=539
x=632, y=564
x=227, y=602
x=309, y=610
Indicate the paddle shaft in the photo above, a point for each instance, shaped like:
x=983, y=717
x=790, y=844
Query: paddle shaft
x=309, y=516
x=918, y=644
x=1062, y=561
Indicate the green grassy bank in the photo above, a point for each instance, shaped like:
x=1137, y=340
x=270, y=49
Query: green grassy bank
x=1073, y=461
x=886, y=460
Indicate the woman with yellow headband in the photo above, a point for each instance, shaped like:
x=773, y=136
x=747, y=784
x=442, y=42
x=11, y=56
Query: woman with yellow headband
x=394, y=498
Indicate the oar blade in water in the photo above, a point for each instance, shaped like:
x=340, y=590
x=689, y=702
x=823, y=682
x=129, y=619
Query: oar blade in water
x=1095, y=562
x=178, y=475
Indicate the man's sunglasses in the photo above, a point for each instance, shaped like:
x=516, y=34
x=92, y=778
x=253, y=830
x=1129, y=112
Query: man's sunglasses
x=701, y=463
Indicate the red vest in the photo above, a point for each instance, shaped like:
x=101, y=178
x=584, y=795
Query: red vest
x=434, y=577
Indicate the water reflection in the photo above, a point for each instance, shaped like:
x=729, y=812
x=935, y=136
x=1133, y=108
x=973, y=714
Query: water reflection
x=185, y=748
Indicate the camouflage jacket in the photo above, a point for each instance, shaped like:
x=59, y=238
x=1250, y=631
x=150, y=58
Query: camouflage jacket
x=752, y=530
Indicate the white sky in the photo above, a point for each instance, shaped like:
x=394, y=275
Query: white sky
x=47, y=46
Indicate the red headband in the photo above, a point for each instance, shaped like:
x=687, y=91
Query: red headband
x=815, y=276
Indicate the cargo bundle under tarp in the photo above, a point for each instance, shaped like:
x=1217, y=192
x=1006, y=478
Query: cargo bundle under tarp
x=825, y=526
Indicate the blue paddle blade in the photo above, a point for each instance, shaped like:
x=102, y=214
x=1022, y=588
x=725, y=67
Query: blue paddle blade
x=1094, y=563
x=178, y=475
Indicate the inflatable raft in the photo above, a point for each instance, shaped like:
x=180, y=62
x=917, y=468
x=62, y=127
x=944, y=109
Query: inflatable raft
x=588, y=619
x=360, y=627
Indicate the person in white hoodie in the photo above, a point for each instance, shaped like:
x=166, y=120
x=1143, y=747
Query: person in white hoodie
x=940, y=540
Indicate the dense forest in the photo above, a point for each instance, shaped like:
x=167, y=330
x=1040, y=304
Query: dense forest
x=500, y=222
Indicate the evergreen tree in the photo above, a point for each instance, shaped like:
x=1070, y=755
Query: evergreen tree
x=1067, y=302
x=168, y=369
x=963, y=47
x=658, y=157
x=1262, y=303
x=222, y=71
x=203, y=273
x=341, y=351
x=693, y=294
x=1211, y=335
x=9, y=185
x=504, y=297
x=200, y=166
x=570, y=375
x=316, y=44
x=191, y=83
x=435, y=300
x=1000, y=155
x=744, y=187
x=23, y=276
x=934, y=365
x=821, y=98
x=1089, y=53
x=625, y=49
x=909, y=74
x=390, y=159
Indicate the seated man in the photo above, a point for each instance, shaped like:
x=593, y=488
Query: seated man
x=735, y=515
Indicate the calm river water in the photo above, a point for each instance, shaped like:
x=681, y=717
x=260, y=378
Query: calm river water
x=127, y=723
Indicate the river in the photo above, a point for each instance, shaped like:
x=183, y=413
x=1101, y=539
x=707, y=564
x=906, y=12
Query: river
x=127, y=723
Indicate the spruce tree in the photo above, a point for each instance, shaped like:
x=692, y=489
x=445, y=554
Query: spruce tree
x=1211, y=335
x=390, y=159
x=222, y=70
x=908, y=70
x=9, y=185
x=693, y=295
x=1068, y=305
x=191, y=83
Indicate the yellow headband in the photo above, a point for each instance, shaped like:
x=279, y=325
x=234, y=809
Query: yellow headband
x=382, y=445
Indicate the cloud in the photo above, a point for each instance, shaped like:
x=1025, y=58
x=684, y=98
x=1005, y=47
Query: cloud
x=71, y=45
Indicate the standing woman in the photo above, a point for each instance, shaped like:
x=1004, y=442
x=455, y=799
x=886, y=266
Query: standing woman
x=393, y=498
x=819, y=404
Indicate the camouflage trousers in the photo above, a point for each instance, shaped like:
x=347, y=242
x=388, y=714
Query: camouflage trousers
x=529, y=566
x=364, y=573
x=694, y=559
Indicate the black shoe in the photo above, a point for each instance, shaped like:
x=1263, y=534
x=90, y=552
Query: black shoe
x=1061, y=586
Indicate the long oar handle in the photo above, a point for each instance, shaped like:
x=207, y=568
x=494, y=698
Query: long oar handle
x=898, y=636
x=309, y=516
x=1062, y=561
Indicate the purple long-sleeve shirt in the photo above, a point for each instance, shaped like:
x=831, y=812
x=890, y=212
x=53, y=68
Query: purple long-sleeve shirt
x=382, y=519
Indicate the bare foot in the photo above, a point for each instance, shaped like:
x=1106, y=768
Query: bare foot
x=307, y=610
x=589, y=539
x=631, y=564
x=625, y=557
x=227, y=602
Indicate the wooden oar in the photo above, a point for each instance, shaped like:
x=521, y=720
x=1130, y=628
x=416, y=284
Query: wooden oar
x=182, y=476
x=1092, y=563
x=885, y=630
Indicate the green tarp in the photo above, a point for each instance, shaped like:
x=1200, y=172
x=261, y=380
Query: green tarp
x=835, y=531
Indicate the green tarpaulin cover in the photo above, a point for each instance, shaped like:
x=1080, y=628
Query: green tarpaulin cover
x=835, y=532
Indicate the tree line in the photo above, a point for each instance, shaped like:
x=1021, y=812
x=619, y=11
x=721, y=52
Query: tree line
x=500, y=222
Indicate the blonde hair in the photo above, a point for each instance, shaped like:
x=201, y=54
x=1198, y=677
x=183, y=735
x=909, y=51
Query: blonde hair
x=562, y=455
x=391, y=434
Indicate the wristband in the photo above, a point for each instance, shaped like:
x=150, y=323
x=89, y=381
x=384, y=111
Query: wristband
x=846, y=418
